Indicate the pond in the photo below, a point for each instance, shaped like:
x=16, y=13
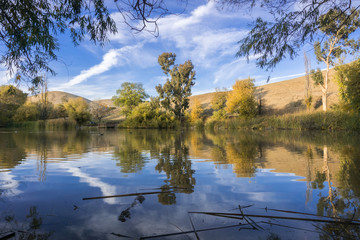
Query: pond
x=125, y=184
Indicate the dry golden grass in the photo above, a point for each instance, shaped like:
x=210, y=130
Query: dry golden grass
x=283, y=97
x=56, y=97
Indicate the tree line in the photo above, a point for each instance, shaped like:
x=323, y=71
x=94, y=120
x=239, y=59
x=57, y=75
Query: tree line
x=15, y=107
x=171, y=107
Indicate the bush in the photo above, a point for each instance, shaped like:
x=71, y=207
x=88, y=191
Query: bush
x=27, y=112
x=144, y=116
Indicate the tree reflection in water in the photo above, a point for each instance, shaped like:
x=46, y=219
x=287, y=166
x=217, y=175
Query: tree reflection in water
x=174, y=161
x=242, y=151
x=342, y=202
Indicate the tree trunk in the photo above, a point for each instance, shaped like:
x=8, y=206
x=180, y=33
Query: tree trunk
x=325, y=88
x=324, y=100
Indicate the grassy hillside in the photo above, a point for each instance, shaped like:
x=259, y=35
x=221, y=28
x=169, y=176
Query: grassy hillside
x=57, y=97
x=278, y=98
x=282, y=97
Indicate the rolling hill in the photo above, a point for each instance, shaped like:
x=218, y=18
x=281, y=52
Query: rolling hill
x=277, y=98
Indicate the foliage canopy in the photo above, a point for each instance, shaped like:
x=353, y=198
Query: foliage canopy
x=349, y=86
x=11, y=98
x=78, y=110
x=129, y=96
x=241, y=100
x=337, y=27
x=293, y=24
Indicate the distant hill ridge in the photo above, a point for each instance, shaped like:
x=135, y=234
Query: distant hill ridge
x=57, y=97
x=279, y=97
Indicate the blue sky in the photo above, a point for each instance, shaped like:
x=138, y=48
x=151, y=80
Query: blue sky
x=201, y=33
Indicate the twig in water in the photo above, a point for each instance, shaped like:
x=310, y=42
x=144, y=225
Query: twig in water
x=322, y=230
x=281, y=225
x=187, y=232
x=126, y=195
x=310, y=214
x=241, y=216
x=7, y=235
x=193, y=227
x=120, y=235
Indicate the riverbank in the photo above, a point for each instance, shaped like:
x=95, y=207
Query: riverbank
x=331, y=120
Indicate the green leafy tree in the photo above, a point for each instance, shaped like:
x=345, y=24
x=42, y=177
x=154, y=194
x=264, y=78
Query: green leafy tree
x=129, y=96
x=27, y=112
x=271, y=40
x=11, y=98
x=175, y=93
x=218, y=104
x=349, y=86
x=241, y=100
x=336, y=43
x=78, y=110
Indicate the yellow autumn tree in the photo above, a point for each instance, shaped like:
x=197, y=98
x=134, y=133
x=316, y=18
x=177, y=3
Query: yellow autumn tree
x=196, y=111
x=78, y=110
x=241, y=100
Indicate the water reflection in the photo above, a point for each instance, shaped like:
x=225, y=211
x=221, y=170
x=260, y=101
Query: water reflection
x=187, y=168
x=12, y=152
x=27, y=230
x=174, y=161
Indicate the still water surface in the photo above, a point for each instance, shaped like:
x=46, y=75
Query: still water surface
x=46, y=179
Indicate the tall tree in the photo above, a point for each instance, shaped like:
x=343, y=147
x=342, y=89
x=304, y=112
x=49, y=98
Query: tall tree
x=336, y=42
x=129, y=96
x=293, y=24
x=175, y=93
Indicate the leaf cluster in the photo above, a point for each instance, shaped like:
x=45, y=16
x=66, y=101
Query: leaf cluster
x=337, y=27
x=11, y=98
x=29, y=30
x=290, y=28
x=317, y=76
x=349, y=86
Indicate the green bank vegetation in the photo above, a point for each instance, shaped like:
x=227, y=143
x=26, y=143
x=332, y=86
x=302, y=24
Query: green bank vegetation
x=17, y=111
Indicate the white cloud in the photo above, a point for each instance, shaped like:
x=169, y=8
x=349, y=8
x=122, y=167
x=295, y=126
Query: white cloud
x=9, y=186
x=128, y=55
x=204, y=35
x=238, y=68
x=110, y=59
x=4, y=76
x=106, y=189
